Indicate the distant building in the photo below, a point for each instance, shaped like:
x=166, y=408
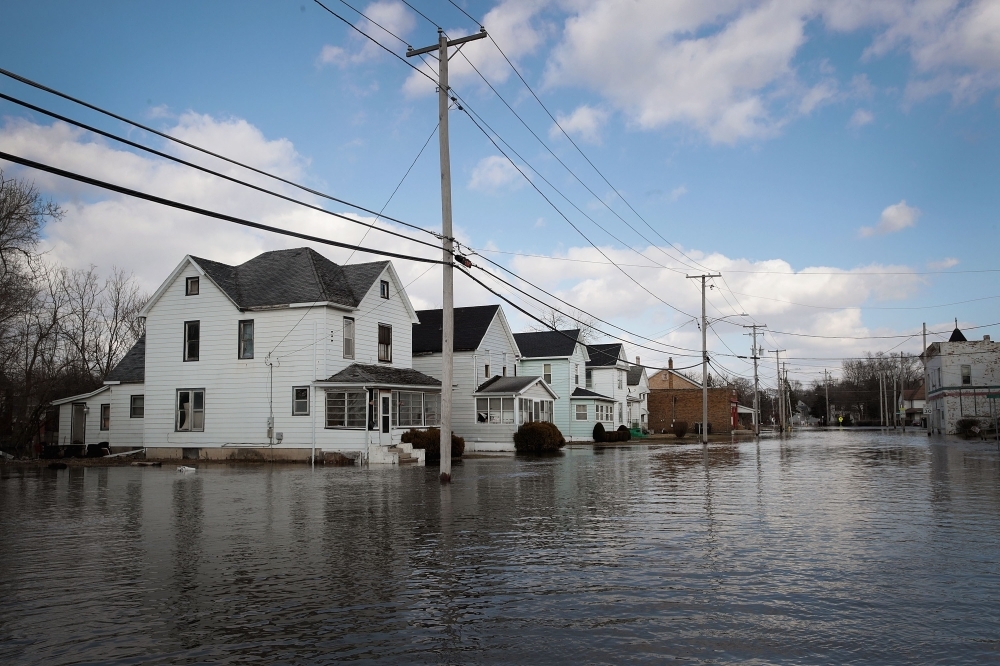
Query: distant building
x=961, y=377
x=912, y=402
x=668, y=378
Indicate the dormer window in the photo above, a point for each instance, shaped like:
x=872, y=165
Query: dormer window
x=191, y=286
x=384, y=289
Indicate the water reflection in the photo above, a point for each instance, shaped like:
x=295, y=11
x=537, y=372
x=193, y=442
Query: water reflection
x=832, y=547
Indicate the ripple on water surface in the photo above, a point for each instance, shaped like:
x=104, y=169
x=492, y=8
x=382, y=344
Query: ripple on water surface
x=829, y=547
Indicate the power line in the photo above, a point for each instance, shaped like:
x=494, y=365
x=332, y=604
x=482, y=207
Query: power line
x=203, y=211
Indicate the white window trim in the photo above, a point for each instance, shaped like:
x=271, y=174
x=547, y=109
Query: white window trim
x=308, y=400
x=177, y=400
x=352, y=338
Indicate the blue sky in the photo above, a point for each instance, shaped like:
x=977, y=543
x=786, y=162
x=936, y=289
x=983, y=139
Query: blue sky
x=788, y=136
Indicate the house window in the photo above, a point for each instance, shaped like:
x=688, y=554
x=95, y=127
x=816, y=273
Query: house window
x=409, y=408
x=245, y=336
x=190, y=410
x=192, y=336
x=191, y=286
x=576, y=374
x=385, y=343
x=345, y=409
x=590, y=378
x=547, y=373
x=581, y=412
x=495, y=410
x=348, y=337
x=966, y=374
x=105, y=417
x=384, y=289
x=524, y=409
x=620, y=419
x=486, y=372
x=545, y=410
x=137, y=406
x=300, y=401
x=619, y=379
x=432, y=409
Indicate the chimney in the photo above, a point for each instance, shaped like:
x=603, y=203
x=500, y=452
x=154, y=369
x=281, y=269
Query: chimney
x=986, y=338
x=637, y=358
x=670, y=363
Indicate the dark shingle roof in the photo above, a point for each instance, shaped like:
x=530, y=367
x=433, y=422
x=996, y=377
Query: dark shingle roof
x=471, y=325
x=605, y=355
x=585, y=393
x=300, y=275
x=132, y=368
x=498, y=384
x=634, y=375
x=957, y=336
x=362, y=373
x=547, y=344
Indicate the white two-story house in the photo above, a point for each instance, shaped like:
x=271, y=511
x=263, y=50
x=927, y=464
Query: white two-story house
x=489, y=400
x=279, y=357
x=638, y=394
x=607, y=374
x=961, y=377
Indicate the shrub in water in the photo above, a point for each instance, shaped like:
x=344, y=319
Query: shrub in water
x=679, y=429
x=538, y=437
x=430, y=441
x=624, y=433
x=599, y=433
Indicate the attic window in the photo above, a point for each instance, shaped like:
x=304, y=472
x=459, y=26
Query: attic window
x=191, y=286
x=384, y=289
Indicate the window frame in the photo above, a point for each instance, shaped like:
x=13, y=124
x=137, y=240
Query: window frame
x=131, y=406
x=187, y=341
x=194, y=410
x=576, y=374
x=348, y=424
x=486, y=372
x=503, y=408
x=388, y=328
x=586, y=413
x=189, y=282
x=383, y=289
x=241, y=339
x=547, y=374
x=104, y=424
x=295, y=400
x=588, y=376
x=966, y=371
x=352, y=338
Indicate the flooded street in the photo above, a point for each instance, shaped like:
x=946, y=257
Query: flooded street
x=827, y=547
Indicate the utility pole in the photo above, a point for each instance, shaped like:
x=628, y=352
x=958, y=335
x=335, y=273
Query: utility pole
x=923, y=358
x=781, y=391
x=902, y=394
x=756, y=384
x=786, y=395
x=704, y=356
x=827, y=420
x=881, y=401
x=447, y=242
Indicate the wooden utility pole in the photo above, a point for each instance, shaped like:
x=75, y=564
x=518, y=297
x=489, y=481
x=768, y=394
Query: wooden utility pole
x=881, y=401
x=447, y=241
x=902, y=394
x=704, y=356
x=826, y=421
x=923, y=358
x=756, y=384
x=780, y=392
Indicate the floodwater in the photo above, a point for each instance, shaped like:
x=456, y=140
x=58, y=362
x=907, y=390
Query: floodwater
x=829, y=547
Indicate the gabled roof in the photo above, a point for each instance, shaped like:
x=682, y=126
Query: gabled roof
x=132, y=368
x=587, y=393
x=604, y=355
x=471, y=325
x=363, y=373
x=547, y=344
x=634, y=374
x=915, y=393
x=957, y=336
x=80, y=397
x=300, y=275
x=509, y=385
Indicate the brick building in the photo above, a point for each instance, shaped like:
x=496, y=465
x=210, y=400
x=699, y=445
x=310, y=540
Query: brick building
x=684, y=404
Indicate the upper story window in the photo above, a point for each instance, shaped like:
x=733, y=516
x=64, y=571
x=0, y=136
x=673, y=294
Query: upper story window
x=245, y=339
x=619, y=379
x=966, y=374
x=547, y=373
x=192, y=338
x=191, y=286
x=590, y=378
x=486, y=372
x=106, y=417
x=137, y=406
x=385, y=343
x=576, y=374
x=384, y=289
x=348, y=337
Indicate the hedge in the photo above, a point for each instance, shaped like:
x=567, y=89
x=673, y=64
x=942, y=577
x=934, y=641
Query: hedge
x=599, y=433
x=679, y=429
x=623, y=431
x=538, y=437
x=430, y=441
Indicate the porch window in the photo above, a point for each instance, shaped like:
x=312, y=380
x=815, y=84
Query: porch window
x=348, y=337
x=966, y=374
x=300, y=401
x=547, y=373
x=495, y=410
x=432, y=409
x=191, y=286
x=581, y=412
x=137, y=406
x=345, y=409
x=192, y=337
x=590, y=378
x=385, y=343
x=524, y=410
x=545, y=410
x=409, y=411
x=245, y=336
x=190, y=415
x=620, y=419
x=105, y=417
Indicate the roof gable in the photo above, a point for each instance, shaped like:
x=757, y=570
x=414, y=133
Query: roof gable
x=513, y=385
x=547, y=344
x=605, y=355
x=471, y=326
x=635, y=373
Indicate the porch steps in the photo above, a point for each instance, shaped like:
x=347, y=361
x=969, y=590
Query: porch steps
x=404, y=457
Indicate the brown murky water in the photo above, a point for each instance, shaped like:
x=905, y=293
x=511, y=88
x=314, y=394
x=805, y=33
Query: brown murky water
x=825, y=548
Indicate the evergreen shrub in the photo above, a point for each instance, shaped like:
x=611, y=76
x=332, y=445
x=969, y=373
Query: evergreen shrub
x=624, y=433
x=430, y=441
x=538, y=437
x=679, y=429
x=599, y=433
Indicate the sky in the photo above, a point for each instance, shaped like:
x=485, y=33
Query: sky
x=836, y=161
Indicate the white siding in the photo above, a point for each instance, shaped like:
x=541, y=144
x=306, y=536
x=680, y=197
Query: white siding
x=125, y=431
x=93, y=433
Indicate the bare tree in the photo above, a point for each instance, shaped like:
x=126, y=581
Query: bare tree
x=554, y=320
x=23, y=213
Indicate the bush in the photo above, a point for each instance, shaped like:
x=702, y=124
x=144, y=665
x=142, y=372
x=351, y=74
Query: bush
x=599, y=433
x=625, y=433
x=968, y=427
x=430, y=441
x=679, y=429
x=538, y=437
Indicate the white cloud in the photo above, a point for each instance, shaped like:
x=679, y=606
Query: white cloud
x=943, y=264
x=585, y=122
x=894, y=218
x=861, y=117
x=678, y=192
x=494, y=173
x=386, y=16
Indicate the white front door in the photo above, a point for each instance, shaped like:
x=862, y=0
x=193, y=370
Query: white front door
x=384, y=418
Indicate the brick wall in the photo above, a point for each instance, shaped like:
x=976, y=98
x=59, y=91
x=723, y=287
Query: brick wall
x=685, y=405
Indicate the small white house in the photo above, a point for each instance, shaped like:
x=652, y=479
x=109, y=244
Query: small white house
x=638, y=394
x=961, y=377
x=607, y=374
